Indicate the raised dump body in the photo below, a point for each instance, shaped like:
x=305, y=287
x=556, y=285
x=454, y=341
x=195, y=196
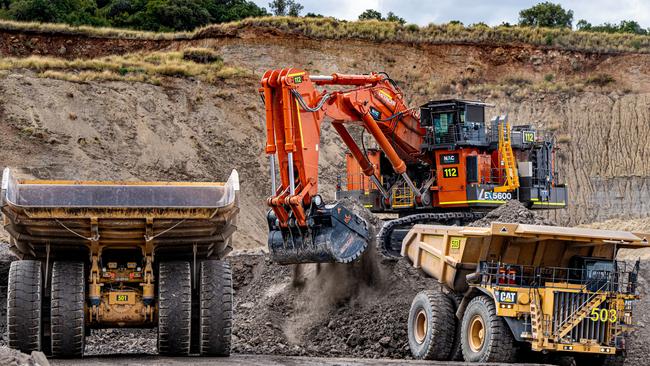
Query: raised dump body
x=553, y=288
x=123, y=254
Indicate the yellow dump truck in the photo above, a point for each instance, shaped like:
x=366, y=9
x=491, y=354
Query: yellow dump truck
x=119, y=254
x=514, y=289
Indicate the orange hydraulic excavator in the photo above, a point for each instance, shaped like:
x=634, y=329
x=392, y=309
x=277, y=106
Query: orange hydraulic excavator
x=441, y=158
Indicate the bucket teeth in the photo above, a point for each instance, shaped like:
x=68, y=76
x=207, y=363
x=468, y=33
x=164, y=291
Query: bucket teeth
x=336, y=235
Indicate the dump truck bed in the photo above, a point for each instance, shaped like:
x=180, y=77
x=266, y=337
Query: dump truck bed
x=178, y=218
x=450, y=253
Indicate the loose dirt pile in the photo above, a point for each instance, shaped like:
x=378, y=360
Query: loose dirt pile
x=513, y=211
x=335, y=310
x=354, y=310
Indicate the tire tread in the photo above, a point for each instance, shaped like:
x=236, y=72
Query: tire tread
x=439, y=338
x=216, y=301
x=67, y=309
x=174, y=308
x=501, y=346
x=24, y=299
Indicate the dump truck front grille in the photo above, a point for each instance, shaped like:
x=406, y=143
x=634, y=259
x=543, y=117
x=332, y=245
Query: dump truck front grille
x=566, y=305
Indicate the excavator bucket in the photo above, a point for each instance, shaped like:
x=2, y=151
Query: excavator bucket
x=335, y=235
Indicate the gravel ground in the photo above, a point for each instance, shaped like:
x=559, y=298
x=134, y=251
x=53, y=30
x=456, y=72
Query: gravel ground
x=249, y=360
x=328, y=310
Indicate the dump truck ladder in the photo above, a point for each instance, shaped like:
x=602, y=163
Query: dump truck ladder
x=582, y=311
x=536, y=317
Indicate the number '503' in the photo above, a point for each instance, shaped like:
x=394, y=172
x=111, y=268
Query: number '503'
x=603, y=315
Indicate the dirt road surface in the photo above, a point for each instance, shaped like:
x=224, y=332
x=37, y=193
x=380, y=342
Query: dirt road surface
x=247, y=360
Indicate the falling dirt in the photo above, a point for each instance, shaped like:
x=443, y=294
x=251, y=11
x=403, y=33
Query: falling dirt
x=334, y=313
x=349, y=310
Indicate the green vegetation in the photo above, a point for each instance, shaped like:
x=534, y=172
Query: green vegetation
x=285, y=8
x=377, y=31
x=625, y=26
x=382, y=31
x=153, y=15
x=371, y=14
x=547, y=15
x=149, y=67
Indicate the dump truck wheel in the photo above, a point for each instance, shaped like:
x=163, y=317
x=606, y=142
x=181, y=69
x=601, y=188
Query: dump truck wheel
x=485, y=337
x=431, y=326
x=174, y=308
x=24, y=299
x=456, y=347
x=216, y=308
x=67, y=315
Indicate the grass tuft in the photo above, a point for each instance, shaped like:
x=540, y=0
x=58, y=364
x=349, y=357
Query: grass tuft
x=139, y=67
x=201, y=55
x=600, y=80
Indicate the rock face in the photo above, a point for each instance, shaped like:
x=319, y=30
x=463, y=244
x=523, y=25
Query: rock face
x=602, y=156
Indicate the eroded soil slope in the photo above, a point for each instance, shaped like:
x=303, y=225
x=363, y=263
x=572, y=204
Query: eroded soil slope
x=597, y=105
x=186, y=130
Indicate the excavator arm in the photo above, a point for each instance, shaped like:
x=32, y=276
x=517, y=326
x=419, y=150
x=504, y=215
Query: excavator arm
x=301, y=227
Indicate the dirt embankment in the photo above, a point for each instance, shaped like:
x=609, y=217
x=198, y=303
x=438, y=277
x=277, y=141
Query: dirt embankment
x=185, y=129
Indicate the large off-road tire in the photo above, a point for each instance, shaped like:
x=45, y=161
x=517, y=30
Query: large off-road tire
x=485, y=337
x=216, y=308
x=67, y=315
x=431, y=326
x=24, y=298
x=456, y=353
x=174, y=308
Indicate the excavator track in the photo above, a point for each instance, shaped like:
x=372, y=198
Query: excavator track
x=389, y=238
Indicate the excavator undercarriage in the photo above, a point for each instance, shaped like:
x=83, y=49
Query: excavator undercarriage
x=439, y=163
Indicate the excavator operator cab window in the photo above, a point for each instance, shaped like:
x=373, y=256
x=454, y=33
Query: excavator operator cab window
x=443, y=127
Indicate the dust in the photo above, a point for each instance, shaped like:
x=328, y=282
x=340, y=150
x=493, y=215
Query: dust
x=329, y=285
x=331, y=310
x=324, y=286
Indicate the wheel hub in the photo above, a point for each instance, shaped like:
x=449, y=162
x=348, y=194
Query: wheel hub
x=476, y=334
x=421, y=325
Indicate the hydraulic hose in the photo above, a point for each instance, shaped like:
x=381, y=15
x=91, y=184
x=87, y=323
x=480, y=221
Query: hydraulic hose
x=304, y=105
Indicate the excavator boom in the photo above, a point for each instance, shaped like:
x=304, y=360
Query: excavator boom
x=301, y=227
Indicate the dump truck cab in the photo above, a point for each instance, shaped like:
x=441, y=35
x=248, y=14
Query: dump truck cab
x=549, y=289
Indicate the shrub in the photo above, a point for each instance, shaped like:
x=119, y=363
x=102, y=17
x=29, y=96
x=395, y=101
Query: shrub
x=201, y=55
x=600, y=80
